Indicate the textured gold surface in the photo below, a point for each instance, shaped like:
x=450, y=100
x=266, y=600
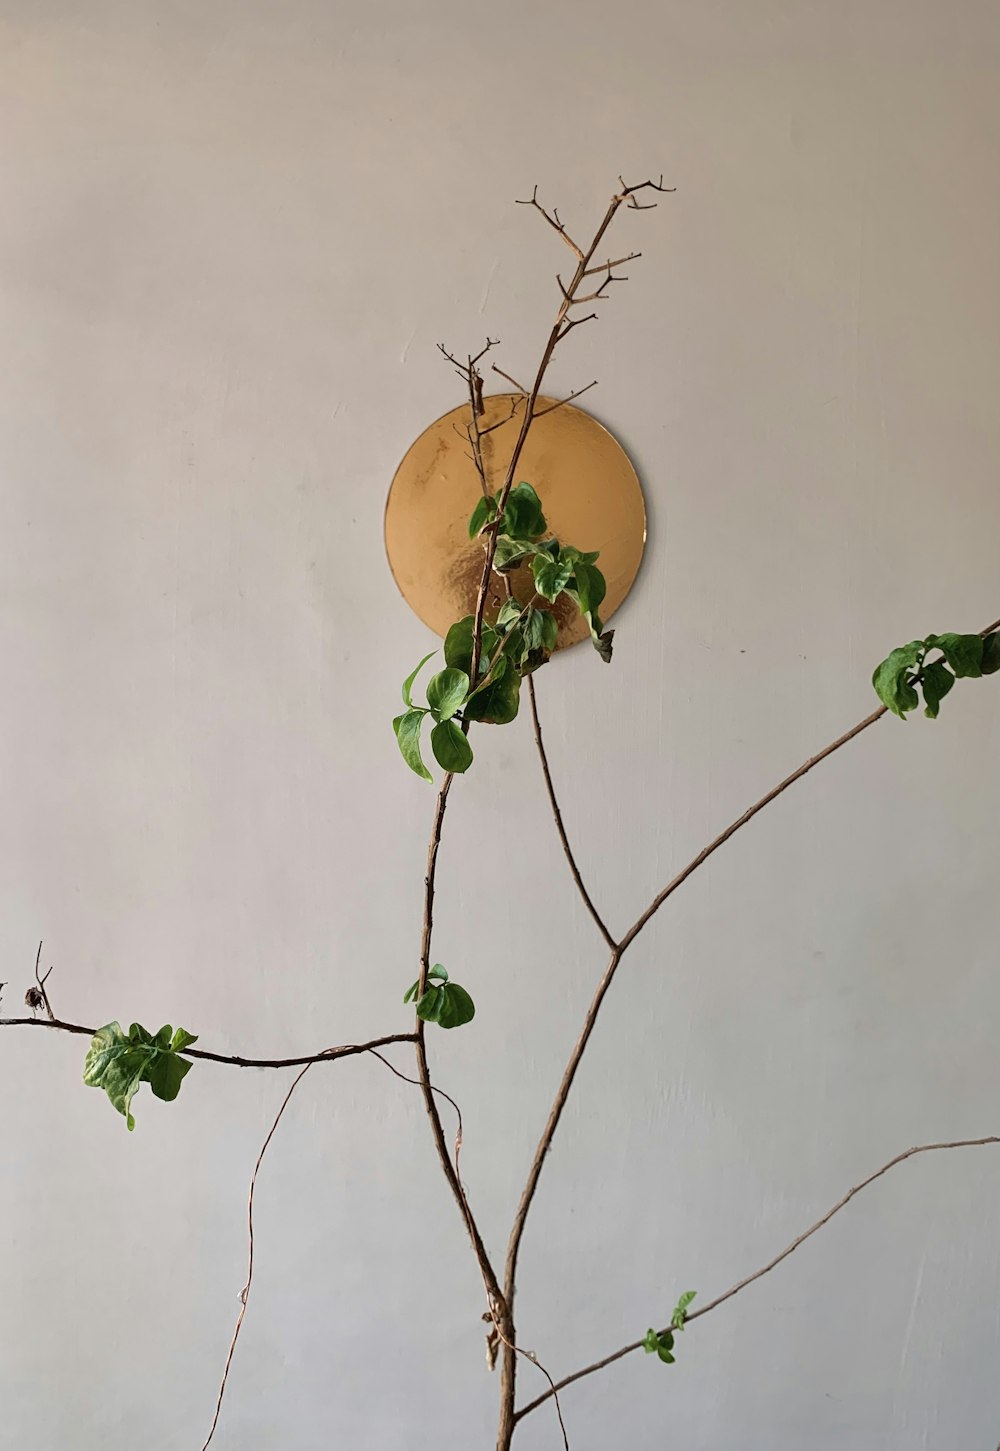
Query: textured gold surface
x=589, y=490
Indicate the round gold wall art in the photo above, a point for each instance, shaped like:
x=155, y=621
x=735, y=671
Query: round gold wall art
x=588, y=487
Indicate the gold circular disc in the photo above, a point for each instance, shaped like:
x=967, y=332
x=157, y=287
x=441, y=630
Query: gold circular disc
x=589, y=491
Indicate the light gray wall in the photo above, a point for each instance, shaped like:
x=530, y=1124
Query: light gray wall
x=231, y=234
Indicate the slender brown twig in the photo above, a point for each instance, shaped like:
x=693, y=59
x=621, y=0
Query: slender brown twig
x=37, y=997
x=599, y=922
x=765, y=1269
x=245, y=1292
x=328, y=1055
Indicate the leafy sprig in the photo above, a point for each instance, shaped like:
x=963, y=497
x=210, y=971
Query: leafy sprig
x=907, y=669
x=522, y=638
x=443, y=1001
x=119, y=1062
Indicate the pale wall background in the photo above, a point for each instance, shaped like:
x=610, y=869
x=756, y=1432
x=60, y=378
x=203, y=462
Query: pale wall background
x=231, y=235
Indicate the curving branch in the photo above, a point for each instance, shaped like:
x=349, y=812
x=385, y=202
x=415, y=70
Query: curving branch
x=598, y=920
x=327, y=1055
x=990, y=1139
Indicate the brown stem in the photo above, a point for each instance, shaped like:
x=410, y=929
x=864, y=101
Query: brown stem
x=328, y=1055
x=560, y=827
x=245, y=1292
x=423, y=1068
x=765, y=1269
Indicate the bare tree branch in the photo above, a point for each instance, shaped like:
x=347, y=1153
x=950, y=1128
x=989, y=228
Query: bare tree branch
x=328, y=1055
x=37, y=997
x=560, y=827
x=991, y=1139
x=552, y=220
x=541, y=412
x=507, y=378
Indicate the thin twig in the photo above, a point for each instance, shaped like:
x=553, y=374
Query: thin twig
x=245, y=1292
x=37, y=997
x=771, y=1264
x=553, y=221
x=328, y=1055
x=541, y=412
x=508, y=379
x=560, y=827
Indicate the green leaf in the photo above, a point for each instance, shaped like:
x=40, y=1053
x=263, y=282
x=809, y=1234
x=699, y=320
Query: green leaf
x=166, y=1074
x=590, y=587
x=408, y=682
x=991, y=653
x=484, y=511
x=936, y=680
x=577, y=556
x=680, y=1309
x=435, y=974
x=512, y=552
x=458, y=645
x=661, y=1343
x=893, y=680
x=964, y=653
x=407, y=728
x=451, y=747
x=540, y=630
x=551, y=575
x=183, y=1039
x=522, y=515
x=510, y=611
x=446, y=692
x=446, y=1004
x=496, y=702
x=119, y=1064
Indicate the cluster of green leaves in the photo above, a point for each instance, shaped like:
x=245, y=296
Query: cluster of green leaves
x=960, y=657
x=120, y=1062
x=447, y=693
x=558, y=569
x=442, y=1002
x=521, y=639
x=661, y=1342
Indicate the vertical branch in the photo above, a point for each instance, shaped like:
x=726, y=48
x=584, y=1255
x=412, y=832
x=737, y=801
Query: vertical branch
x=560, y=827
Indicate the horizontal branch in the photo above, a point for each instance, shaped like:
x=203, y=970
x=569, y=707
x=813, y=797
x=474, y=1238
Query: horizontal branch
x=347, y=1050
x=990, y=1139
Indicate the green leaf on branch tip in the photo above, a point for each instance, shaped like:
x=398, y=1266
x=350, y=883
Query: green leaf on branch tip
x=451, y=747
x=991, y=653
x=893, y=679
x=551, y=575
x=935, y=681
x=661, y=1343
x=446, y=692
x=407, y=728
x=408, y=682
x=522, y=515
x=483, y=513
x=681, y=1309
x=119, y=1063
x=446, y=1004
x=964, y=653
